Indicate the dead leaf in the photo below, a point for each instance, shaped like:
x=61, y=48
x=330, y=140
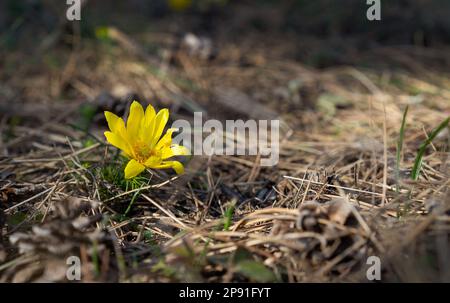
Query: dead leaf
x=339, y=211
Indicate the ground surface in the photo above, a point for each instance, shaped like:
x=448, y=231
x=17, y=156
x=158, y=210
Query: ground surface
x=338, y=194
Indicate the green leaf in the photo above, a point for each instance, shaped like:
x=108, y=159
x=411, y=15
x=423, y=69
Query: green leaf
x=229, y=215
x=16, y=218
x=241, y=254
x=148, y=235
x=255, y=271
x=102, y=33
x=418, y=161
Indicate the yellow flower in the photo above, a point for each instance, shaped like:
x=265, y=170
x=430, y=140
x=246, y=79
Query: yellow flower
x=140, y=140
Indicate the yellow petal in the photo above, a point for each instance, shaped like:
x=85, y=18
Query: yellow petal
x=160, y=122
x=117, y=141
x=166, y=140
x=114, y=122
x=177, y=166
x=148, y=125
x=153, y=161
x=149, y=113
x=134, y=120
x=133, y=169
x=117, y=126
x=174, y=150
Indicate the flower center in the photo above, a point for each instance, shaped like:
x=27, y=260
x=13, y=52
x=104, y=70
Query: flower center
x=142, y=151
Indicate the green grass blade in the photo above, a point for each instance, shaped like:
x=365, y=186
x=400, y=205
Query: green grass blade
x=135, y=196
x=418, y=161
x=229, y=215
x=400, y=144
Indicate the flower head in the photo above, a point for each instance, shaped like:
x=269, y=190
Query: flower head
x=141, y=142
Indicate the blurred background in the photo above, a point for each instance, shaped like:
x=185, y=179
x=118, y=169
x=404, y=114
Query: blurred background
x=191, y=54
x=320, y=33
